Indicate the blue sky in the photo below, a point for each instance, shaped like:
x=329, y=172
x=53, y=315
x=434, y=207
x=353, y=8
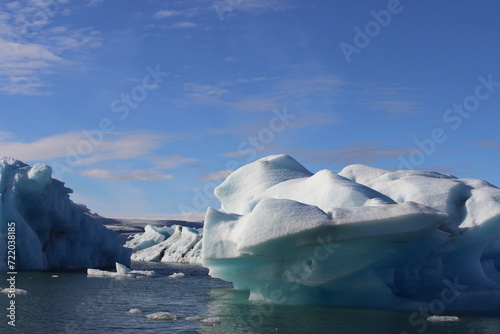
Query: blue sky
x=143, y=107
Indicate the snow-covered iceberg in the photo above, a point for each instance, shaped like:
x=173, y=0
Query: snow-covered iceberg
x=364, y=237
x=178, y=243
x=50, y=230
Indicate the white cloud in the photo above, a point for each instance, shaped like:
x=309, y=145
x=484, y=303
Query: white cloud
x=78, y=149
x=94, y=3
x=137, y=174
x=183, y=25
x=31, y=51
x=167, y=13
x=219, y=175
x=10, y=51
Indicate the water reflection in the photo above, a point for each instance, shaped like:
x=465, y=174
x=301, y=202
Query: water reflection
x=239, y=315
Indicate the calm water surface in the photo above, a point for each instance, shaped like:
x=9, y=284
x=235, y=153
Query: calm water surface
x=74, y=303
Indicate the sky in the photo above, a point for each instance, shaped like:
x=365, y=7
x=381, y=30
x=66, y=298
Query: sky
x=143, y=107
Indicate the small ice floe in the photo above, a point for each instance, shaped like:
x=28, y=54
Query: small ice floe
x=207, y=321
x=177, y=275
x=211, y=321
x=442, y=318
x=15, y=291
x=162, y=316
x=135, y=311
x=121, y=271
x=55, y=276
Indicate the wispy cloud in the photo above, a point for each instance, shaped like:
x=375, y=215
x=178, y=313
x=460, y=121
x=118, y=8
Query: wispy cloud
x=31, y=52
x=398, y=108
x=183, y=25
x=362, y=152
x=168, y=13
x=395, y=100
x=137, y=174
x=275, y=92
x=225, y=7
x=81, y=151
x=187, y=12
x=219, y=175
x=94, y=3
x=488, y=143
x=264, y=5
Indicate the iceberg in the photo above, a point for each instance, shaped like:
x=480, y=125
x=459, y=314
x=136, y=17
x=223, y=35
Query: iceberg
x=441, y=318
x=162, y=316
x=13, y=291
x=178, y=243
x=177, y=275
x=152, y=235
x=135, y=311
x=365, y=237
x=50, y=230
x=121, y=272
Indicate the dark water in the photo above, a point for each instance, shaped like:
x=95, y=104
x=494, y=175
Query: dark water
x=74, y=303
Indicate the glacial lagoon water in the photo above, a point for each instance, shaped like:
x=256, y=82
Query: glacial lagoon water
x=74, y=303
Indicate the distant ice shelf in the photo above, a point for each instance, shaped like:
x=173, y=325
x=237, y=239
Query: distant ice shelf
x=365, y=237
x=49, y=230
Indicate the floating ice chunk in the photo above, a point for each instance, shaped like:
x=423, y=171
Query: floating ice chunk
x=121, y=271
x=162, y=316
x=143, y=273
x=55, y=276
x=442, y=318
x=177, y=275
x=14, y=291
x=211, y=321
x=135, y=311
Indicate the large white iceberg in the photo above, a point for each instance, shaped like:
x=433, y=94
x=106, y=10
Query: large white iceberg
x=50, y=230
x=364, y=237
